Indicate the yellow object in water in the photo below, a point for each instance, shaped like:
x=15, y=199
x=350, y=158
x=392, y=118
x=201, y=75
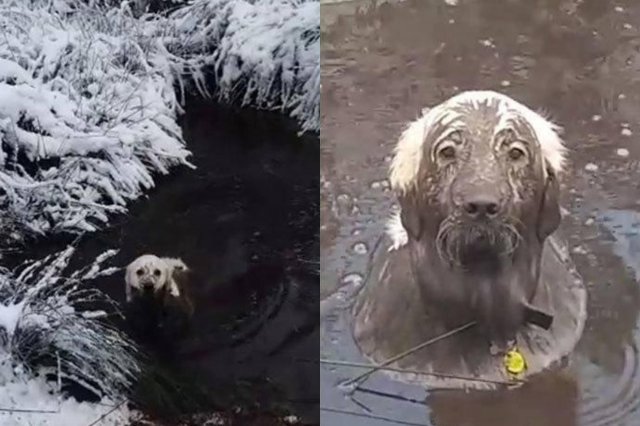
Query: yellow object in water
x=514, y=362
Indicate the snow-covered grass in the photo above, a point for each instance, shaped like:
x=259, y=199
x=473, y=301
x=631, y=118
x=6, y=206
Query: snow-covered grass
x=48, y=333
x=90, y=96
x=87, y=114
x=263, y=53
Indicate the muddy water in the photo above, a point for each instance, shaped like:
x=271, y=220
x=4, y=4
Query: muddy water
x=246, y=222
x=382, y=63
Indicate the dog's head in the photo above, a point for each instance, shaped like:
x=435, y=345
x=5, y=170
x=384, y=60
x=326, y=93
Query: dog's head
x=148, y=274
x=476, y=174
x=476, y=179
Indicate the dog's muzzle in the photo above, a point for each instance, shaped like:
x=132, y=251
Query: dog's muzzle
x=146, y=285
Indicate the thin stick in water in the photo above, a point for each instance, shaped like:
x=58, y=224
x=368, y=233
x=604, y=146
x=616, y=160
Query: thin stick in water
x=375, y=368
x=412, y=371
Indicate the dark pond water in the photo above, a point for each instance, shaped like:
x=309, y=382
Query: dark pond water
x=246, y=222
x=579, y=60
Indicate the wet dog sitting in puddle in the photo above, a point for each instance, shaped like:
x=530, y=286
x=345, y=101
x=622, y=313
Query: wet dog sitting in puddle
x=159, y=304
x=474, y=243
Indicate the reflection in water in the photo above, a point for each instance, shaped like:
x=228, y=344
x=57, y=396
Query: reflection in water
x=336, y=342
x=619, y=397
x=548, y=400
x=382, y=63
x=624, y=226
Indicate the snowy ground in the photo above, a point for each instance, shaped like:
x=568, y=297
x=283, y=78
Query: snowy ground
x=41, y=407
x=89, y=102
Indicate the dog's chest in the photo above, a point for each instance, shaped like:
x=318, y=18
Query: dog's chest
x=145, y=313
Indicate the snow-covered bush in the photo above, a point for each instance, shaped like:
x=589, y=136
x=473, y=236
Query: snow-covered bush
x=48, y=329
x=262, y=53
x=87, y=114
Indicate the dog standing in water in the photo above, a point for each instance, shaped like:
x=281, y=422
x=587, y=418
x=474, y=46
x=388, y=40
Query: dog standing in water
x=476, y=180
x=159, y=302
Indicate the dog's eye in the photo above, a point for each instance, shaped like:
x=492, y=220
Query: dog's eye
x=447, y=152
x=156, y=272
x=516, y=153
x=139, y=272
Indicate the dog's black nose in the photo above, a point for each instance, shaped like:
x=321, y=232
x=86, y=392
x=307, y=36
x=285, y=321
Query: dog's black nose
x=481, y=206
x=147, y=286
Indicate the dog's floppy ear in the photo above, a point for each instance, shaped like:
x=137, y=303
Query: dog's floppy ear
x=410, y=214
x=174, y=290
x=549, y=213
x=128, y=277
x=171, y=285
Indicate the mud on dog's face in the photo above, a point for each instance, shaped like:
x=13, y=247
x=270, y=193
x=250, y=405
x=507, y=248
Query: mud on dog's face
x=147, y=274
x=476, y=178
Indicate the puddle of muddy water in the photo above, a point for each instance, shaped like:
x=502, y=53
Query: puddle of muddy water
x=382, y=62
x=246, y=222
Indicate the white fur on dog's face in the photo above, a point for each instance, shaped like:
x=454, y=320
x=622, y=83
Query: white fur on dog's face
x=409, y=150
x=147, y=272
x=411, y=147
x=154, y=273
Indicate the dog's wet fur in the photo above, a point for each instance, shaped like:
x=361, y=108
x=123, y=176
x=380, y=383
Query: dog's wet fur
x=159, y=313
x=477, y=208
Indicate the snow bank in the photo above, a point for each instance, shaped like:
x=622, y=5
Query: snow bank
x=43, y=407
x=47, y=335
x=263, y=53
x=89, y=96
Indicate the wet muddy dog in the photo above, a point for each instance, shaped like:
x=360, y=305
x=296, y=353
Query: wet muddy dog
x=159, y=305
x=476, y=179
